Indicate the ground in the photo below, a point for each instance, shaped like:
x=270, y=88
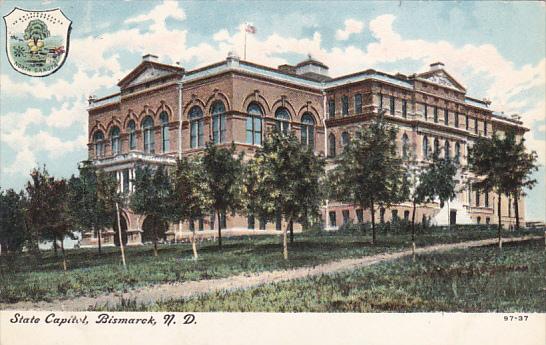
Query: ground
x=90, y=274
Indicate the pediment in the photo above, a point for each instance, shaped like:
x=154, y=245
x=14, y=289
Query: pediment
x=147, y=71
x=442, y=78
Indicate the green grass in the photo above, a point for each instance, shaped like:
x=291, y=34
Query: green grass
x=24, y=277
x=471, y=280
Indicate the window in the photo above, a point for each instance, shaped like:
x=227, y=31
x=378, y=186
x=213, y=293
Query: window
x=392, y=106
x=358, y=104
x=360, y=215
x=345, y=214
x=487, y=220
x=477, y=198
x=251, y=221
x=201, y=224
x=476, y=125
x=196, y=127
x=164, y=118
x=446, y=117
x=447, y=149
x=436, y=147
x=380, y=102
x=332, y=216
x=263, y=223
x=466, y=122
x=382, y=215
x=218, y=122
x=426, y=111
x=456, y=120
x=406, y=215
x=283, y=120
x=192, y=224
x=223, y=220
x=457, y=152
x=404, y=108
x=344, y=105
x=125, y=186
x=212, y=220
x=98, y=140
x=148, y=129
x=485, y=128
x=425, y=147
x=114, y=135
x=345, y=138
x=394, y=215
x=405, y=146
x=332, y=108
x=486, y=199
x=278, y=221
x=308, y=131
x=331, y=145
x=435, y=114
x=479, y=220
x=132, y=135
x=254, y=124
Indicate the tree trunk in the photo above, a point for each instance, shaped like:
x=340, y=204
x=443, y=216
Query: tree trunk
x=193, y=245
x=100, y=241
x=373, y=221
x=219, y=229
x=154, y=225
x=413, y=230
x=55, y=249
x=291, y=225
x=285, y=240
x=120, y=238
x=516, y=210
x=500, y=221
x=64, y=256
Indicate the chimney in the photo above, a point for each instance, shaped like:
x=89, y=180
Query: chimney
x=436, y=66
x=149, y=58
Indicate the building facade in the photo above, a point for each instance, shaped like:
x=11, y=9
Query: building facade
x=163, y=112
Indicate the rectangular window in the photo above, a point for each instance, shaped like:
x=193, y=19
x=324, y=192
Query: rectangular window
x=456, y=120
x=467, y=122
x=382, y=215
x=165, y=138
x=192, y=225
x=218, y=128
x=358, y=104
x=485, y=128
x=360, y=215
x=435, y=114
x=223, y=220
x=345, y=105
x=380, y=102
x=476, y=125
x=263, y=223
x=486, y=201
x=406, y=215
x=250, y=221
x=394, y=215
x=201, y=224
x=477, y=198
x=125, y=180
x=332, y=108
x=392, y=106
x=404, y=108
x=332, y=215
x=487, y=220
x=446, y=117
x=254, y=130
x=249, y=131
x=426, y=111
x=345, y=214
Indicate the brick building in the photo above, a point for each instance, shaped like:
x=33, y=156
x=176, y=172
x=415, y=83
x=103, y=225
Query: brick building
x=164, y=111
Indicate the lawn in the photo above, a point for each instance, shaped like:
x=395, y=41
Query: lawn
x=479, y=279
x=25, y=277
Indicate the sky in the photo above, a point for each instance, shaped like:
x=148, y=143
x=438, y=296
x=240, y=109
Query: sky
x=497, y=50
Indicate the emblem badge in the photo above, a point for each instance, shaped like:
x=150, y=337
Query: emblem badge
x=37, y=41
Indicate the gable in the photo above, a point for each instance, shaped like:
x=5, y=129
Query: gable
x=442, y=78
x=147, y=71
x=146, y=75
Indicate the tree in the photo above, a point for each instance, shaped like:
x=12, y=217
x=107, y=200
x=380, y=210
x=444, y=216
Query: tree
x=223, y=170
x=13, y=234
x=151, y=198
x=287, y=180
x=433, y=181
x=491, y=160
x=92, y=200
x=369, y=171
x=190, y=197
x=523, y=164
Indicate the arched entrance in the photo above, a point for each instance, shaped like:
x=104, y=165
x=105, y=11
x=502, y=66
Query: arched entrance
x=152, y=226
x=123, y=224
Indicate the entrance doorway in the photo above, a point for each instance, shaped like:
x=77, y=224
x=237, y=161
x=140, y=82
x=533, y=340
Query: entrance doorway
x=452, y=217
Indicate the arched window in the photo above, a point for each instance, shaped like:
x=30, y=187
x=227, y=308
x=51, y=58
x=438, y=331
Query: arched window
x=436, y=147
x=98, y=140
x=218, y=122
x=254, y=124
x=447, y=149
x=331, y=145
x=308, y=130
x=425, y=147
x=164, y=118
x=196, y=127
x=148, y=130
x=282, y=116
x=132, y=135
x=457, y=152
x=345, y=138
x=114, y=136
x=405, y=146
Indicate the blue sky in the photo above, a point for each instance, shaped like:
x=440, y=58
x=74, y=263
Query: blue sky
x=495, y=49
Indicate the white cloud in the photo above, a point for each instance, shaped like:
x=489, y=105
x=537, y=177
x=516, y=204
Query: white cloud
x=159, y=14
x=352, y=26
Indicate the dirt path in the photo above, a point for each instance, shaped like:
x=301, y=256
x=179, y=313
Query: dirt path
x=160, y=292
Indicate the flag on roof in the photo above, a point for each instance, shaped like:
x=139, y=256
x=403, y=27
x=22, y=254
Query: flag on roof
x=250, y=28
